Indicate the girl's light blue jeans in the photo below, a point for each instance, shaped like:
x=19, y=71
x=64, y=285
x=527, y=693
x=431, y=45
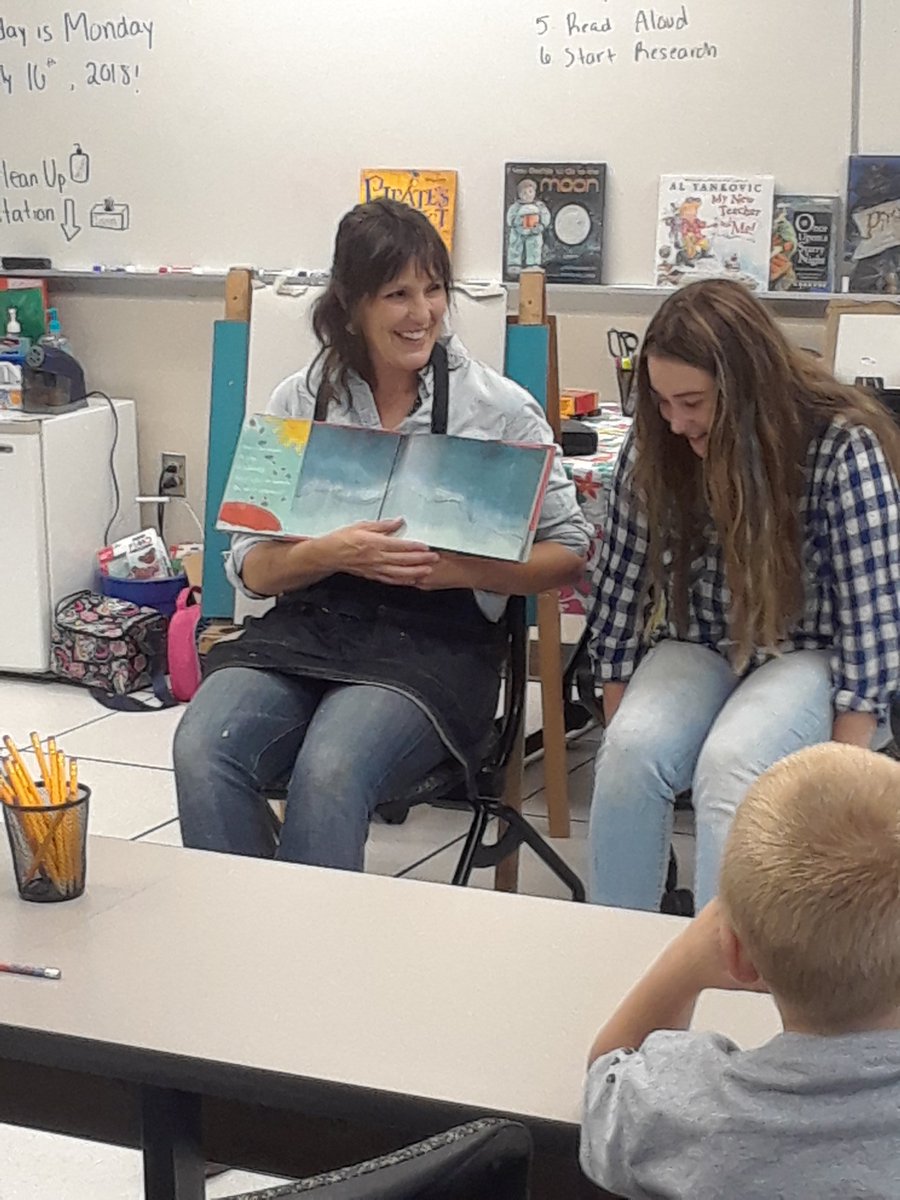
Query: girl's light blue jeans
x=687, y=721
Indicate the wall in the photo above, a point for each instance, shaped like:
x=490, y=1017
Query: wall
x=158, y=352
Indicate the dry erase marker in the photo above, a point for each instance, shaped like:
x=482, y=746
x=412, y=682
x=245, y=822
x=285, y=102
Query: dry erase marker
x=37, y=972
x=177, y=270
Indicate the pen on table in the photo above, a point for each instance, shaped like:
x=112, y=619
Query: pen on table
x=37, y=972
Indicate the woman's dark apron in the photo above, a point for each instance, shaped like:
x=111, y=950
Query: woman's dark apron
x=437, y=648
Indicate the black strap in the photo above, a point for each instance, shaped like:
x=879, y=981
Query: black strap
x=441, y=373
x=119, y=703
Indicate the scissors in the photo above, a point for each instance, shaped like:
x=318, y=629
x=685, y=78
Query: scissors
x=622, y=344
x=623, y=347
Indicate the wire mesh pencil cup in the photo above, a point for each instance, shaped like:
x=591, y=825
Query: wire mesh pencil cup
x=49, y=847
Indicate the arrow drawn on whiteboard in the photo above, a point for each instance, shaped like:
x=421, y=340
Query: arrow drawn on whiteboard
x=69, y=226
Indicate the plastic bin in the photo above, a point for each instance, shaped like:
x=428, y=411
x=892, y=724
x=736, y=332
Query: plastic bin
x=160, y=594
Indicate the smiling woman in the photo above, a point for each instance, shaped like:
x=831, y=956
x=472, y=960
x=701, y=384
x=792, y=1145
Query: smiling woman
x=381, y=656
x=746, y=593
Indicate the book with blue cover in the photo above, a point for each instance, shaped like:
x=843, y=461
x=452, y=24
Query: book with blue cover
x=299, y=479
x=872, y=244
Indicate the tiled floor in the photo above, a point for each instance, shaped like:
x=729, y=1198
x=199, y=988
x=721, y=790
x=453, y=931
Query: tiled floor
x=127, y=761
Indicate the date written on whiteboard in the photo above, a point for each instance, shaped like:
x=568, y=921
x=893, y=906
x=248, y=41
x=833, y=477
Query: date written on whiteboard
x=592, y=38
x=23, y=70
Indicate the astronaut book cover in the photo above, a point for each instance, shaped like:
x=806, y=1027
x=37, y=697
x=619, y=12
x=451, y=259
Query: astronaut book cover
x=553, y=218
x=714, y=226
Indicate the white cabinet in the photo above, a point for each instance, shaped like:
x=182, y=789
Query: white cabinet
x=57, y=496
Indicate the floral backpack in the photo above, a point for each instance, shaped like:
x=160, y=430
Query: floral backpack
x=113, y=647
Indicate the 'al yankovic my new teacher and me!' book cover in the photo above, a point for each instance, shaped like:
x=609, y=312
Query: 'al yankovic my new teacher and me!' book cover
x=296, y=479
x=714, y=226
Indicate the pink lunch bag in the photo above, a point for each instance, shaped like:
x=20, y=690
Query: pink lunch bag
x=184, y=661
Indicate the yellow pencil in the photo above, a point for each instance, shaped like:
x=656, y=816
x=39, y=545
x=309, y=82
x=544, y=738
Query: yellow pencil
x=42, y=762
x=51, y=764
x=73, y=779
x=18, y=761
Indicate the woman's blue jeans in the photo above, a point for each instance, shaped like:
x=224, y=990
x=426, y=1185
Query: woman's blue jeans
x=687, y=721
x=341, y=749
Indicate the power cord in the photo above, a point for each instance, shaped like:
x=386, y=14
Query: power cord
x=168, y=479
x=160, y=507
x=112, y=461
x=162, y=501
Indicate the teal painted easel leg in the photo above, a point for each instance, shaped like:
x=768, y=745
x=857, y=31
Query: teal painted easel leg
x=231, y=342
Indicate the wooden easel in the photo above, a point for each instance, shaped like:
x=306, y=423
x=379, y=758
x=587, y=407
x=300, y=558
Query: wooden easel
x=533, y=312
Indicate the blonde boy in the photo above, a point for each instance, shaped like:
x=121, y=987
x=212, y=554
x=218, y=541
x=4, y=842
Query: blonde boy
x=809, y=909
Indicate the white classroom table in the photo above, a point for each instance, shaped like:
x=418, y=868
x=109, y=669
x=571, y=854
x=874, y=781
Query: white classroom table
x=293, y=1019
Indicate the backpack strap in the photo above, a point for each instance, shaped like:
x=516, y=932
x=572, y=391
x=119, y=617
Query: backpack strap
x=131, y=703
x=439, y=403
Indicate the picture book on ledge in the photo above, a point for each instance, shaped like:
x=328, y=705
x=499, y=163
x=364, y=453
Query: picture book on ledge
x=805, y=234
x=553, y=218
x=872, y=243
x=432, y=192
x=711, y=226
x=299, y=479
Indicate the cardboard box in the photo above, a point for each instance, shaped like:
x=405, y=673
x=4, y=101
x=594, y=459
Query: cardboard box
x=192, y=565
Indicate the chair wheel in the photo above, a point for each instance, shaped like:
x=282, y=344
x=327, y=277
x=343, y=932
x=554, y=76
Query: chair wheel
x=678, y=903
x=393, y=812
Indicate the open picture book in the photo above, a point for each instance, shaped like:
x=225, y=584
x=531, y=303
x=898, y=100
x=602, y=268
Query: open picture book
x=299, y=479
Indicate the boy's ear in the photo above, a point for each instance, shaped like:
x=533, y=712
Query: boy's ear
x=737, y=960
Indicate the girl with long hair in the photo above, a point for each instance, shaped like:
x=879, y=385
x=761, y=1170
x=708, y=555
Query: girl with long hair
x=746, y=598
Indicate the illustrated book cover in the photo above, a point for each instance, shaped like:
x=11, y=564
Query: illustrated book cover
x=805, y=232
x=299, y=479
x=710, y=226
x=553, y=218
x=872, y=242
x=432, y=192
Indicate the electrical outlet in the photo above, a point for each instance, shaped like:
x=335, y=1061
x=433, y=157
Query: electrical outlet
x=173, y=475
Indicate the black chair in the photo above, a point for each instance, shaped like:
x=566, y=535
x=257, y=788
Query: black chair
x=484, y=1160
x=445, y=787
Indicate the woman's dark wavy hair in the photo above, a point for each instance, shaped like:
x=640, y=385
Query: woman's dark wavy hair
x=374, y=243
x=771, y=400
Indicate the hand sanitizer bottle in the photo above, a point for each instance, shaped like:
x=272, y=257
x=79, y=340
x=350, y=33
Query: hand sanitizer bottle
x=13, y=347
x=54, y=335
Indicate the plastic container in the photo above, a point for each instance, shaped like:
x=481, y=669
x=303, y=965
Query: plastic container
x=160, y=594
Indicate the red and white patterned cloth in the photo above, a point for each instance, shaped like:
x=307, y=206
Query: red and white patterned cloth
x=591, y=474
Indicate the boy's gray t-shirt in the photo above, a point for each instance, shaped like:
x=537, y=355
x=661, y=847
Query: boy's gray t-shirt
x=691, y=1114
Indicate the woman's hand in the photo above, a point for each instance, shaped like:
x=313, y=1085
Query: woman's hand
x=370, y=549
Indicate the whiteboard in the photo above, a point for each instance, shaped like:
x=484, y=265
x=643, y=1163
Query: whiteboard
x=282, y=340
x=214, y=133
x=880, y=80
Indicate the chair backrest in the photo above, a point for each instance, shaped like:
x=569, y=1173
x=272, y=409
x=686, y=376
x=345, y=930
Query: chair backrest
x=484, y=1160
